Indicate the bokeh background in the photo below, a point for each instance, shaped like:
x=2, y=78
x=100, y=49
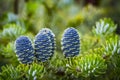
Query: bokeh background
x=27, y=17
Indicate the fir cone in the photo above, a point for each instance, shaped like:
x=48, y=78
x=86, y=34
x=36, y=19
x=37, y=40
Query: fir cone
x=70, y=42
x=44, y=44
x=24, y=50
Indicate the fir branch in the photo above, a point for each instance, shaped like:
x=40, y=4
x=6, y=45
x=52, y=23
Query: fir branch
x=104, y=27
x=11, y=32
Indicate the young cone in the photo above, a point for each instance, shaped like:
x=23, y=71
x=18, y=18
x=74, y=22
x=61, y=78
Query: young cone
x=44, y=44
x=70, y=42
x=24, y=50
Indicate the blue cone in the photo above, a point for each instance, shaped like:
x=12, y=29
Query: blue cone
x=44, y=44
x=70, y=42
x=24, y=50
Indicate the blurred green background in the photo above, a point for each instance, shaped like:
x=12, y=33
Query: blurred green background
x=27, y=17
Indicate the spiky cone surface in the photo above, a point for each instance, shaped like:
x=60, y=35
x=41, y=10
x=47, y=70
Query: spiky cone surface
x=70, y=42
x=51, y=36
x=24, y=50
x=44, y=44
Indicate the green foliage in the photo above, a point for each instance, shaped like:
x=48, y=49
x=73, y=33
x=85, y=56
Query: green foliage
x=9, y=53
x=112, y=46
x=104, y=27
x=75, y=21
x=11, y=32
x=115, y=62
x=9, y=72
x=29, y=72
x=92, y=65
x=88, y=65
